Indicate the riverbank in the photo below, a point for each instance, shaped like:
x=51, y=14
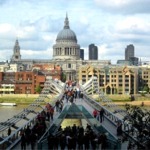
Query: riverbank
x=25, y=99
x=18, y=98
x=134, y=103
x=22, y=99
x=125, y=99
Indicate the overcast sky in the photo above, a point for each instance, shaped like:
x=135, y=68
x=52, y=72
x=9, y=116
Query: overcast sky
x=109, y=24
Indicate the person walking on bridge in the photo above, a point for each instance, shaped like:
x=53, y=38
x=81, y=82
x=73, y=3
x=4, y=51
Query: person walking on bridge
x=23, y=141
x=101, y=115
x=9, y=131
x=95, y=113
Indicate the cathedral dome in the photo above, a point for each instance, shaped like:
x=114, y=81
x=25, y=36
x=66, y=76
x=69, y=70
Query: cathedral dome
x=66, y=33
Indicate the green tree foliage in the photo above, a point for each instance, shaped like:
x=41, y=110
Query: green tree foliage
x=63, y=77
x=146, y=88
x=38, y=89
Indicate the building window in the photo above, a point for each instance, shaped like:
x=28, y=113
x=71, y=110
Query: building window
x=69, y=65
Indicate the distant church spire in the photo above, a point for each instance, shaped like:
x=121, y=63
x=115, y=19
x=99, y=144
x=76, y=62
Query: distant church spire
x=16, y=52
x=66, y=23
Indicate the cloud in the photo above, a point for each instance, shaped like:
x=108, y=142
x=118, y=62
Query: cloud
x=110, y=25
x=133, y=29
x=30, y=54
x=7, y=31
x=136, y=25
x=125, y=6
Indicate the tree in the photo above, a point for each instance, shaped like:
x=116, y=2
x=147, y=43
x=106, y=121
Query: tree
x=38, y=89
x=63, y=77
x=146, y=88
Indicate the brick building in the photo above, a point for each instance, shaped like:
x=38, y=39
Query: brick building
x=26, y=82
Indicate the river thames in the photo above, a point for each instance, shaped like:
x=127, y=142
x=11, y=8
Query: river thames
x=7, y=112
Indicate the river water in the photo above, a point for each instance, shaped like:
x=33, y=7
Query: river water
x=7, y=112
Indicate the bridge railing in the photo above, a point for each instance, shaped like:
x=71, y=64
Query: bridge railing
x=11, y=140
x=108, y=114
x=129, y=131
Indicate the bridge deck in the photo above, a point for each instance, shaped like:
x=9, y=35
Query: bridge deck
x=109, y=126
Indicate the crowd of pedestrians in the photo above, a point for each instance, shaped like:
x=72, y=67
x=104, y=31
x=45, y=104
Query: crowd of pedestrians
x=76, y=137
x=30, y=135
x=72, y=93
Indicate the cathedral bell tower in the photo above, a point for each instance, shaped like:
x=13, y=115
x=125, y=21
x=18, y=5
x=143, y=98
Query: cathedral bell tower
x=16, y=52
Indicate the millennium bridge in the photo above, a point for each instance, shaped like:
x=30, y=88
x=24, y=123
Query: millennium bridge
x=80, y=109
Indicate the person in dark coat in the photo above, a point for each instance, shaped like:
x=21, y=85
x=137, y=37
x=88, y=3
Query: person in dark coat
x=51, y=141
x=27, y=134
x=23, y=142
x=33, y=139
x=86, y=141
x=9, y=131
x=81, y=95
x=119, y=128
x=104, y=142
x=101, y=115
x=62, y=142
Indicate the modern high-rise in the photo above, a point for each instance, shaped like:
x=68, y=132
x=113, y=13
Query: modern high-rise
x=82, y=54
x=129, y=51
x=93, y=52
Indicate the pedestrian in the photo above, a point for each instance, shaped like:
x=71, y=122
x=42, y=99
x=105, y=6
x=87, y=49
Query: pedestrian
x=51, y=141
x=23, y=141
x=27, y=134
x=48, y=116
x=104, y=142
x=101, y=115
x=95, y=113
x=75, y=94
x=57, y=105
x=33, y=139
x=9, y=131
x=62, y=141
x=119, y=128
x=81, y=95
x=51, y=111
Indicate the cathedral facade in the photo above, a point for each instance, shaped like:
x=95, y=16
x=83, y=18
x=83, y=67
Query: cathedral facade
x=66, y=54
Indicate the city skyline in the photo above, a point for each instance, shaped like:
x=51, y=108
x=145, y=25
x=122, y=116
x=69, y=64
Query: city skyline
x=111, y=25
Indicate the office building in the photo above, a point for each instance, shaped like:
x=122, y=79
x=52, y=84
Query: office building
x=129, y=51
x=82, y=54
x=93, y=52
